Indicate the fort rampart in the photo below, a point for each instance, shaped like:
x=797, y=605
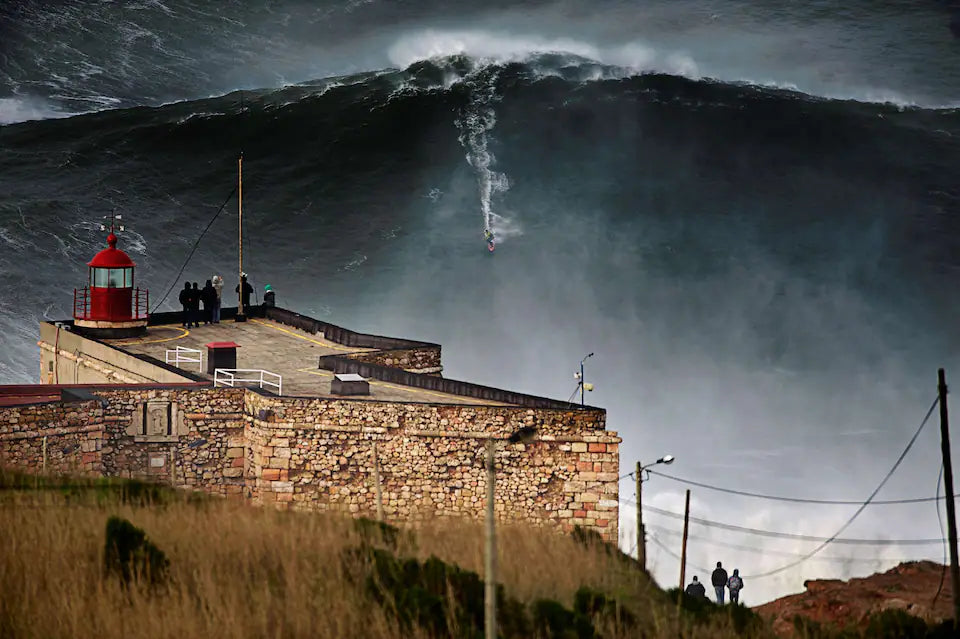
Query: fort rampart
x=318, y=453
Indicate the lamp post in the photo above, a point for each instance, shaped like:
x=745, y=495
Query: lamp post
x=579, y=378
x=641, y=537
x=523, y=435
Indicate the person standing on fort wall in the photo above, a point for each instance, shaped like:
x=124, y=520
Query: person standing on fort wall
x=247, y=289
x=269, y=297
x=209, y=297
x=195, y=297
x=185, y=296
x=218, y=287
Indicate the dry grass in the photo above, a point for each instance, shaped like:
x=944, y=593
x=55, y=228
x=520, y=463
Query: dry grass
x=239, y=571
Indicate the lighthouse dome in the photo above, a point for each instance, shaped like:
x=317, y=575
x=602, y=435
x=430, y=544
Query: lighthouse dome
x=111, y=257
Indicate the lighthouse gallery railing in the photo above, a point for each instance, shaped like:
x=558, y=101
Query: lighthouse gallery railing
x=139, y=304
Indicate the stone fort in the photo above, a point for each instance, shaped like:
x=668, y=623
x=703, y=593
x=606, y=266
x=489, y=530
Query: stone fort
x=277, y=408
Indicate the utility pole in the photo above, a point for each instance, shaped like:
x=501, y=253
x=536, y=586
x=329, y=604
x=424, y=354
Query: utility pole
x=948, y=492
x=490, y=567
x=376, y=478
x=641, y=534
x=683, y=552
x=241, y=317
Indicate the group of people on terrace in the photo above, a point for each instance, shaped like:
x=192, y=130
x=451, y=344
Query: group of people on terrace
x=211, y=298
x=720, y=581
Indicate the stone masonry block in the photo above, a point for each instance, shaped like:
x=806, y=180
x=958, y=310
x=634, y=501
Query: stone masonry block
x=270, y=474
x=282, y=486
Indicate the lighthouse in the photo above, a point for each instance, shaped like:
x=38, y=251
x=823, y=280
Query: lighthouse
x=109, y=306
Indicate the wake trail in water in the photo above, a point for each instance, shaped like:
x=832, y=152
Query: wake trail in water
x=476, y=120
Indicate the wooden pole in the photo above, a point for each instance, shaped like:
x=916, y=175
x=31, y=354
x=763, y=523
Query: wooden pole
x=240, y=315
x=683, y=552
x=641, y=536
x=948, y=491
x=44, y=470
x=376, y=478
x=490, y=568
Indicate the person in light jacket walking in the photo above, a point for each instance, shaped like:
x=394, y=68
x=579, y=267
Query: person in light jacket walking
x=735, y=584
x=218, y=287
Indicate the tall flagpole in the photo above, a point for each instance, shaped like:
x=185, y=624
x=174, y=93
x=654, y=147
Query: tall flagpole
x=240, y=315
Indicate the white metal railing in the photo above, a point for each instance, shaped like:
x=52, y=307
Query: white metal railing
x=184, y=355
x=231, y=377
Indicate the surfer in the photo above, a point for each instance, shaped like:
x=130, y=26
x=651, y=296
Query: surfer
x=488, y=236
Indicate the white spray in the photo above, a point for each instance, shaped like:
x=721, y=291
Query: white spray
x=476, y=120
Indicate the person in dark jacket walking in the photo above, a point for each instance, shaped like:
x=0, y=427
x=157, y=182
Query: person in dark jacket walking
x=696, y=589
x=719, y=581
x=209, y=298
x=269, y=296
x=185, y=296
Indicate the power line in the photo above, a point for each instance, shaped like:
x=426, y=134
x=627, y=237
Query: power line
x=861, y=508
x=766, y=551
x=782, y=535
x=800, y=500
x=676, y=556
x=195, y=244
x=943, y=573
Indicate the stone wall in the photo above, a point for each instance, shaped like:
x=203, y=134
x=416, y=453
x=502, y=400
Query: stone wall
x=203, y=446
x=318, y=453
x=74, y=437
x=425, y=359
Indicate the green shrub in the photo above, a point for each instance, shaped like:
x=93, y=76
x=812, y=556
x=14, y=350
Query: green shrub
x=896, y=624
x=603, y=610
x=132, y=557
x=373, y=531
x=439, y=597
x=552, y=620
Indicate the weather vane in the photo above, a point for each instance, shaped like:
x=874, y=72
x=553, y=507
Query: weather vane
x=114, y=218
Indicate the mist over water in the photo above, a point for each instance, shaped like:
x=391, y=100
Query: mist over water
x=767, y=277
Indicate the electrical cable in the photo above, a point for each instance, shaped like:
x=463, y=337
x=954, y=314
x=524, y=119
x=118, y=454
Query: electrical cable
x=943, y=573
x=782, y=535
x=766, y=551
x=676, y=556
x=190, y=255
x=800, y=500
x=824, y=544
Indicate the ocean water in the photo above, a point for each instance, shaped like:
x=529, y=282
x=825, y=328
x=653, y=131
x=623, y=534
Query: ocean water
x=747, y=210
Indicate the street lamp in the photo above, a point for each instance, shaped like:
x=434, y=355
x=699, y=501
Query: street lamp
x=641, y=536
x=520, y=436
x=579, y=378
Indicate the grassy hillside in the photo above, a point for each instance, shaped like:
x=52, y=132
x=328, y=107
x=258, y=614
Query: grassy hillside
x=238, y=571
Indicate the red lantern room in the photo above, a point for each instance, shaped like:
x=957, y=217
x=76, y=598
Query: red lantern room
x=110, y=306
